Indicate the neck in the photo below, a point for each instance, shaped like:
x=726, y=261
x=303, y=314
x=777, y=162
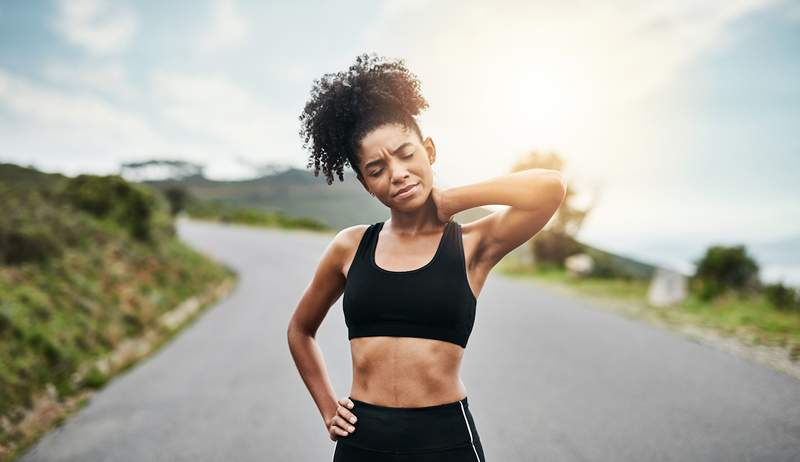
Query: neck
x=420, y=219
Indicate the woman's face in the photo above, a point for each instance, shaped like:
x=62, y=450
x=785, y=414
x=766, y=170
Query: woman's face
x=391, y=157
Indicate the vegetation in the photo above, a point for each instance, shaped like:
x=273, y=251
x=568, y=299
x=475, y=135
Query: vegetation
x=226, y=213
x=557, y=241
x=770, y=316
x=725, y=268
x=725, y=292
x=85, y=263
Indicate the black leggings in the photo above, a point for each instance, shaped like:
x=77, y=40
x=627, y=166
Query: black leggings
x=440, y=433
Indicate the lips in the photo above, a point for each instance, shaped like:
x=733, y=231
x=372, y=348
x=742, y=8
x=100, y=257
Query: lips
x=405, y=189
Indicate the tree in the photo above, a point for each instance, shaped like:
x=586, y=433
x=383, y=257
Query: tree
x=178, y=197
x=557, y=240
x=725, y=268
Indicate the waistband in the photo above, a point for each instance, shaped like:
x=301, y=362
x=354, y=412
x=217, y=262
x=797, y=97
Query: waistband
x=412, y=430
x=378, y=407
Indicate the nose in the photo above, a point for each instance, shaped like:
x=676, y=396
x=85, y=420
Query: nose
x=399, y=172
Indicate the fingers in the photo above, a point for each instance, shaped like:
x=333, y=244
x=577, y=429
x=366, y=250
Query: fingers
x=346, y=402
x=342, y=423
x=338, y=426
x=346, y=414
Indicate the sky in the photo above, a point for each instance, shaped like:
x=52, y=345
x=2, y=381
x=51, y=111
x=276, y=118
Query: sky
x=679, y=121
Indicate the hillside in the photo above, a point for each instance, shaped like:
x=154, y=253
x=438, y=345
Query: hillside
x=86, y=263
x=298, y=193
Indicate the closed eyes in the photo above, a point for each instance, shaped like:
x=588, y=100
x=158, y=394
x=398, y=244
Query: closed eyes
x=378, y=171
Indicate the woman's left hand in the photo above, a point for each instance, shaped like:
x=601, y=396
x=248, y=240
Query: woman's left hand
x=437, y=195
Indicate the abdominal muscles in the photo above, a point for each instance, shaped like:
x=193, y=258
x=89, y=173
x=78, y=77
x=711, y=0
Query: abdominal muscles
x=406, y=371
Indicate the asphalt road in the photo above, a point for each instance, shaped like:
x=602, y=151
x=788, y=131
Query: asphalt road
x=549, y=378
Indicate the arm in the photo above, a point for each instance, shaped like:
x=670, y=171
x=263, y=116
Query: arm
x=534, y=195
x=324, y=289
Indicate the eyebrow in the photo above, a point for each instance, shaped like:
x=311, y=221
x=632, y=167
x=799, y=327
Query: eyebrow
x=376, y=161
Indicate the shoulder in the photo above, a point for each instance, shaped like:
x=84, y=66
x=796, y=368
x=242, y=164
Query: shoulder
x=346, y=240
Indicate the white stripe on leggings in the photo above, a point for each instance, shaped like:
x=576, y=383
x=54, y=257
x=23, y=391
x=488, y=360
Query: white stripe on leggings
x=469, y=430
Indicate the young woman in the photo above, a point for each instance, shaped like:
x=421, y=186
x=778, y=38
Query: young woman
x=410, y=283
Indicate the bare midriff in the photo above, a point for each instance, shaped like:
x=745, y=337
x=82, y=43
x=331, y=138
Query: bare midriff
x=406, y=371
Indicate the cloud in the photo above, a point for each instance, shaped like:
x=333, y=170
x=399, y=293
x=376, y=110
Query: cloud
x=71, y=111
x=73, y=133
x=228, y=28
x=96, y=25
x=214, y=106
x=108, y=78
x=227, y=128
x=513, y=76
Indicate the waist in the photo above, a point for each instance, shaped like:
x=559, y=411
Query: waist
x=409, y=430
x=414, y=394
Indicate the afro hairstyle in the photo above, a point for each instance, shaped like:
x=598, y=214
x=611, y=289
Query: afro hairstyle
x=345, y=106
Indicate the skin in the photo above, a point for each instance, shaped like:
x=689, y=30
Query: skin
x=410, y=371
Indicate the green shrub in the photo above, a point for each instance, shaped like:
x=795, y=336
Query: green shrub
x=28, y=242
x=113, y=198
x=782, y=297
x=94, y=378
x=724, y=268
x=178, y=197
x=603, y=267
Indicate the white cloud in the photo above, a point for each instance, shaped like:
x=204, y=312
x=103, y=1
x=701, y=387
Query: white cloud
x=85, y=114
x=211, y=105
x=74, y=133
x=505, y=78
x=228, y=28
x=108, y=78
x=96, y=25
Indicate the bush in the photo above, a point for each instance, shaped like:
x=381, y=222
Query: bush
x=28, y=242
x=95, y=378
x=782, y=297
x=603, y=267
x=725, y=268
x=553, y=247
x=178, y=197
x=113, y=198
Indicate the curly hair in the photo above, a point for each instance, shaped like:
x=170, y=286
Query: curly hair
x=345, y=106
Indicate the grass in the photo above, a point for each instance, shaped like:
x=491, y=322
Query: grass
x=76, y=285
x=225, y=213
x=752, y=319
x=71, y=311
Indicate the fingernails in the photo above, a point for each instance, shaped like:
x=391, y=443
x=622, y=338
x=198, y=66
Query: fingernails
x=353, y=419
x=350, y=404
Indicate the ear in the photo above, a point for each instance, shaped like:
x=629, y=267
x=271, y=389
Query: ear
x=430, y=148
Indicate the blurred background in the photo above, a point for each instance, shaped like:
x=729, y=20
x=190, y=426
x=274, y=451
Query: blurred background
x=679, y=120
x=676, y=124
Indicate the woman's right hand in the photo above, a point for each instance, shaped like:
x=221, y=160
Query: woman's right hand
x=342, y=423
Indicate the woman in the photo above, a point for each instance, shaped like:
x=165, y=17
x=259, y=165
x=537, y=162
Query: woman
x=410, y=283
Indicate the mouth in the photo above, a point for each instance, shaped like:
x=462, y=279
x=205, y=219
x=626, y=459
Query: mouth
x=407, y=191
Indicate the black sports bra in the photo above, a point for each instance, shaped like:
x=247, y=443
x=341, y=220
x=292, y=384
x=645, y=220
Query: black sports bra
x=433, y=301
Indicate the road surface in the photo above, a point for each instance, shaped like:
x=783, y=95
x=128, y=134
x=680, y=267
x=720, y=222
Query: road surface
x=549, y=378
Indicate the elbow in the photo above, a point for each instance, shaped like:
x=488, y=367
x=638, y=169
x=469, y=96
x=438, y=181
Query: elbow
x=291, y=333
x=295, y=331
